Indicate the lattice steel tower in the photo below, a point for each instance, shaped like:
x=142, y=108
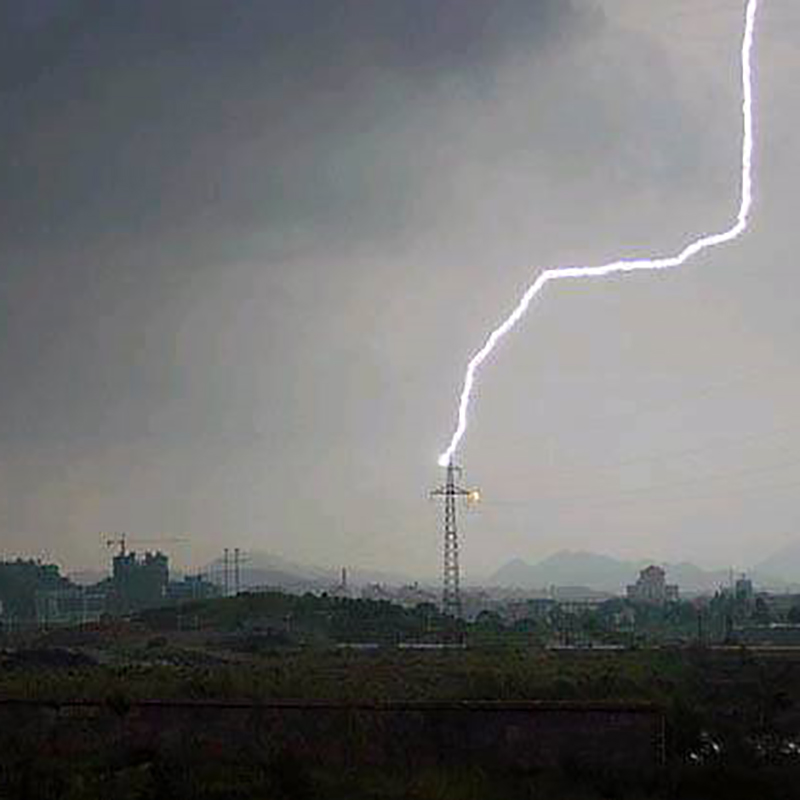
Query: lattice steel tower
x=451, y=578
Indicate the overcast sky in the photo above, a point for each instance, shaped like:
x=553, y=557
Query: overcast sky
x=246, y=250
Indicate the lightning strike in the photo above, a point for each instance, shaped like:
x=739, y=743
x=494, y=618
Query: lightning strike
x=692, y=249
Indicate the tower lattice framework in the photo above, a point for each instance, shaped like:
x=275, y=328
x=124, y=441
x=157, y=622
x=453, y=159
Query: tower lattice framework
x=451, y=576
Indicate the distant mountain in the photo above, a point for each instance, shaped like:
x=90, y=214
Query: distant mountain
x=781, y=568
x=598, y=572
x=517, y=573
x=692, y=578
x=566, y=568
x=264, y=569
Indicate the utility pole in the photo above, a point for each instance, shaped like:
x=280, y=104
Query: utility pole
x=226, y=578
x=236, y=573
x=451, y=577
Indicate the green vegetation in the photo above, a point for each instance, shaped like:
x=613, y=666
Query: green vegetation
x=733, y=715
x=181, y=775
x=732, y=697
x=306, y=619
x=383, y=675
x=272, y=620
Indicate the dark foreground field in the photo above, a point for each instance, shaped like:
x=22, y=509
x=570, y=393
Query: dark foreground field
x=731, y=721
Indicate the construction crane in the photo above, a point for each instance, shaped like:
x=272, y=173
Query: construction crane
x=121, y=540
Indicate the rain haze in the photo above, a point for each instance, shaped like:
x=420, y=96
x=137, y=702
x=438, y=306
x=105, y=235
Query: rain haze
x=246, y=251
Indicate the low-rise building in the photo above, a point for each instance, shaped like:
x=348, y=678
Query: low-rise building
x=192, y=587
x=533, y=608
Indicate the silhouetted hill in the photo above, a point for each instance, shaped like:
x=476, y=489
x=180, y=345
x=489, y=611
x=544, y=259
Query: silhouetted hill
x=566, y=569
x=782, y=567
x=598, y=572
x=266, y=570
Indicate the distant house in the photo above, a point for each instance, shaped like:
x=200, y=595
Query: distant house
x=652, y=588
x=191, y=588
x=374, y=591
x=533, y=608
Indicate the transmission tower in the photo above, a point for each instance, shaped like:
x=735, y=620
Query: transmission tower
x=451, y=578
x=239, y=558
x=237, y=573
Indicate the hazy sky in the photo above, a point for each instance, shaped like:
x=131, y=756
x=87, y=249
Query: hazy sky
x=247, y=248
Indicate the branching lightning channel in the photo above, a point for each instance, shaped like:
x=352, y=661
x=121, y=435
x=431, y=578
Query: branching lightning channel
x=664, y=262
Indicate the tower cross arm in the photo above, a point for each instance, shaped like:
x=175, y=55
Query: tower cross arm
x=444, y=491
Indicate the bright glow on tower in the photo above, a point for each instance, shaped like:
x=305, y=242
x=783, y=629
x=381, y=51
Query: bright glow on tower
x=663, y=262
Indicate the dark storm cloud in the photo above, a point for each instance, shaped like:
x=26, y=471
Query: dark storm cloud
x=122, y=117
x=247, y=245
x=141, y=143
x=419, y=33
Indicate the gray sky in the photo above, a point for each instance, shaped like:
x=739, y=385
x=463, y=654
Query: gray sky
x=246, y=250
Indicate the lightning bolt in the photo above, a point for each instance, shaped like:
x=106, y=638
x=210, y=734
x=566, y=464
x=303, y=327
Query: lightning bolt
x=692, y=249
